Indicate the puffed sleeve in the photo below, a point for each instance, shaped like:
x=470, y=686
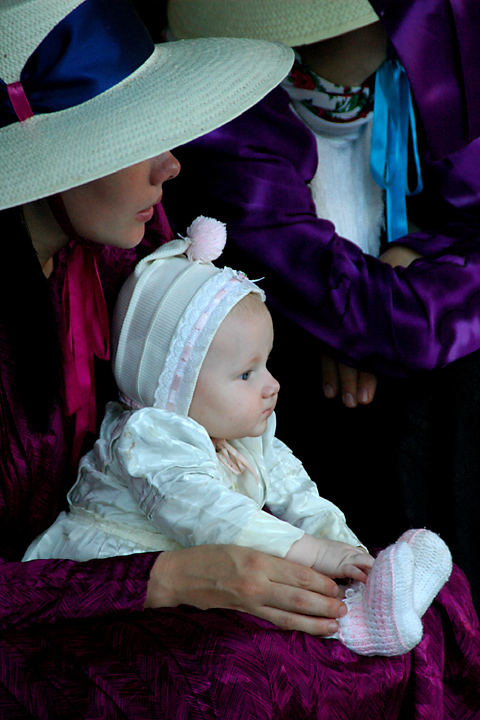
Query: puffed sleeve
x=170, y=465
x=294, y=497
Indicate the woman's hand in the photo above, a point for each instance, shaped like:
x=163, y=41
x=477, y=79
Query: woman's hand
x=399, y=256
x=290, y=596
x=357, y=387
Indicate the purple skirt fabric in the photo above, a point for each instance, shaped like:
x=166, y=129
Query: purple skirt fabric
x=187, y=663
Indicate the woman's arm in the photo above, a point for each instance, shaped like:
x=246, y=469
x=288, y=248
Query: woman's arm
x=253, y=174
x=293, y=597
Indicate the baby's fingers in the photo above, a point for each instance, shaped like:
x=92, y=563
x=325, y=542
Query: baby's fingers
x=354, y=573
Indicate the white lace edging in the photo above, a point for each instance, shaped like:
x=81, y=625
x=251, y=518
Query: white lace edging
x=193, y=336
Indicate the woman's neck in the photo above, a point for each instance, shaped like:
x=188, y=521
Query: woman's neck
x=47, y=236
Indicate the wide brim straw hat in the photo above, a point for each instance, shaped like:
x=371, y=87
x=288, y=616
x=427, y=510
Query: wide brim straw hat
x=84, y=92
x=293, y=22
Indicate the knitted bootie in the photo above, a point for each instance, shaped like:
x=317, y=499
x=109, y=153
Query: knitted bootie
x=433, y=566
x=381, y=618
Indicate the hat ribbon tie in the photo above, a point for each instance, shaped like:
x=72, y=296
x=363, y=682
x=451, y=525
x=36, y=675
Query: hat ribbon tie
x=86, y=334
x=393, y=125
x=96, y=46
x=19, y=101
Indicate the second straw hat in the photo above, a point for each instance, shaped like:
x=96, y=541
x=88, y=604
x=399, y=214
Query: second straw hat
x=293, y=22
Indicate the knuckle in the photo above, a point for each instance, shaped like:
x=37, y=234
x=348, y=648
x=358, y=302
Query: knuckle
x=304, y=577
x=247, y=589
x=287, y=622
x=301, y=602
x=253, y=561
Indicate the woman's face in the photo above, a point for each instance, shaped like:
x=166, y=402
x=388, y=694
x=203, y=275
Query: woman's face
x=113, y=210
x=348, y=59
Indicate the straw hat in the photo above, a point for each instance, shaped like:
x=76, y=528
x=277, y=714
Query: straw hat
x=84, y=92
x=293, y=22
x=167, y=314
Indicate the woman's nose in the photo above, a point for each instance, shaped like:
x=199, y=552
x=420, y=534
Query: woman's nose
x=164, y=167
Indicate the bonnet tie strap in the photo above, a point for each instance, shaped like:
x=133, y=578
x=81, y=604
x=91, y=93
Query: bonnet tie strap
x=232, y=459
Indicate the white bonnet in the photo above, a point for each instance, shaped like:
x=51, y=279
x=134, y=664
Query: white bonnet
x=167, y=314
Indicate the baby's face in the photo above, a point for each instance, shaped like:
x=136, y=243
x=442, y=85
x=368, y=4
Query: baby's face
x=235, y=393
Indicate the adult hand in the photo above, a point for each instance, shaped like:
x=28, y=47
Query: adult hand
x=399, y=256
x=357, y=387
x=291, y=596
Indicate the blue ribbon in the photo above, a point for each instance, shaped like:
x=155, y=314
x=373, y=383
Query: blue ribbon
x=393, y=122
x=93, y=48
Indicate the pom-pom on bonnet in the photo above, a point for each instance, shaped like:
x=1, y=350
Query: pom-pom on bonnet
x=167, y=315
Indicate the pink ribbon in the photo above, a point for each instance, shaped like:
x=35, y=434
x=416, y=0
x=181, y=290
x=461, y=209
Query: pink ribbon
x=86, y=334
x=19, y=101
x=232, y=459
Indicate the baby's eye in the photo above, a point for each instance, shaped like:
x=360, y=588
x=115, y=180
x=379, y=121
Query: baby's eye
x=245, y=375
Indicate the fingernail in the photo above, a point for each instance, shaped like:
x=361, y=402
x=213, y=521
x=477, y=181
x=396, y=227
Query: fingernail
x=332, y=628
x=328, y=391
x=349, y=400
x=363, y=395
x=343, y=611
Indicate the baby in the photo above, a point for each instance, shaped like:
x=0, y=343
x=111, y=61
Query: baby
x=190, y=456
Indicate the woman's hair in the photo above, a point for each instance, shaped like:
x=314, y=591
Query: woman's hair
x=29, y=320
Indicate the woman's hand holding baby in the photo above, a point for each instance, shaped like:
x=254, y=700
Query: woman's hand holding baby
x=332, y=558
x=289, y=595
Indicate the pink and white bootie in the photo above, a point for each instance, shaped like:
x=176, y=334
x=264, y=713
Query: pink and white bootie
x=381, y=618
x=433, y=566
x=384, y=614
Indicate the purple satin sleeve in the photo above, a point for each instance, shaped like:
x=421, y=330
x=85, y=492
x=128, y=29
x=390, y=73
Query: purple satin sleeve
x=253, y=174
x=49, y=590
x=437, y=41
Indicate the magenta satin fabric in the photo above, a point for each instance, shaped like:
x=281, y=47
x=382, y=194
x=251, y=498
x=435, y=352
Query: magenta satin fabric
x=74, y=643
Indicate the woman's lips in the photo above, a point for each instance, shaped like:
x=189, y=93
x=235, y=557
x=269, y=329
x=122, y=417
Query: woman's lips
x=145, y=215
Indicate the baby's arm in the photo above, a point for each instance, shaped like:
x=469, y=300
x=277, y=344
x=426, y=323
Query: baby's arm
x=332, y=558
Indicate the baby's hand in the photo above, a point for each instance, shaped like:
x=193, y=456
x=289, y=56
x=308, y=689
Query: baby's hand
x=332, y=558
x=340, y=560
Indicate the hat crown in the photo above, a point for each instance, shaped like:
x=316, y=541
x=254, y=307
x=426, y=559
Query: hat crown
x=293, y=22
x=23, y=26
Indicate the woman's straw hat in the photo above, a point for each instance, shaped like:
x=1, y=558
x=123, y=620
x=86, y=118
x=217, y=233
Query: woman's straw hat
x=293, y=22
x=84, y=92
